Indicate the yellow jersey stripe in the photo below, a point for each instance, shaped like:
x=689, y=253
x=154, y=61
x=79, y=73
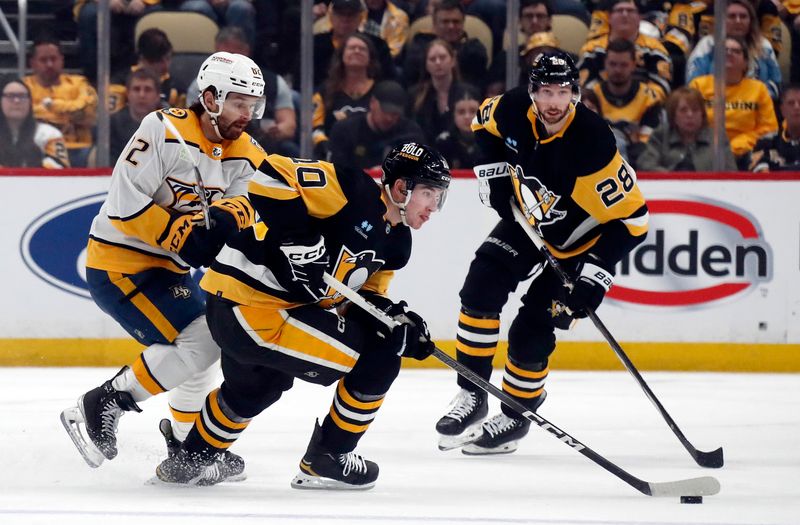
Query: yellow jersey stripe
x=476, y=352
x=144, y=305
x=355, y=403
x=520, y=393
x=207, y=437
x=526, y=373
x=144, y=377
x=220, y=416
x=349, y=427
x=478, y=323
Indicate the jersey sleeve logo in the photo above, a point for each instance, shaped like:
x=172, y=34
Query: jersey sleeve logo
x=536, y=200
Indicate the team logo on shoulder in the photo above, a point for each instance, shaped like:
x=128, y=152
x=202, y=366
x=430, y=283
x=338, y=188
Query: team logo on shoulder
x=255, y=143
x=538, y=202
x=185, y=197
x=175, y=112
x=353, y=269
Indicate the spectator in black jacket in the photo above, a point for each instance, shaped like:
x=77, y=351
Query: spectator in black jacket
x=448, y=24
x=364, y=139
x=457, y=142
x=142, y=96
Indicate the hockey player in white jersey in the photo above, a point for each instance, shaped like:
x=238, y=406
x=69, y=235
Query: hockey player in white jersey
x=149, y=233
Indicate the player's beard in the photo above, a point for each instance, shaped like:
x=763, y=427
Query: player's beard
x=550, y=117
x=231, y=131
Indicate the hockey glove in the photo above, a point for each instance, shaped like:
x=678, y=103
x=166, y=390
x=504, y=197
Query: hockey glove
x=494, y=188
x=411, y=337
x=589, y=289
x=307, y=262
x=200, y=245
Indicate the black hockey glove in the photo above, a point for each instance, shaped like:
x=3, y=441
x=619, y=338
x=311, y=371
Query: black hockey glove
x=201, y=245
x=411, y=337
x=588, y=289
x=495, y=188
x=307, y=261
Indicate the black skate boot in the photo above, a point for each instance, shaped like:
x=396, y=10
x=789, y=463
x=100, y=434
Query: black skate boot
x=501, y=433
x=99, y=410
x=189, y=468
x=461, y=425
x=324, y=469
x=233, y=465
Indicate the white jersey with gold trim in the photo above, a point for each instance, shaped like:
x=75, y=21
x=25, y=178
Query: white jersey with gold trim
x=153, y=180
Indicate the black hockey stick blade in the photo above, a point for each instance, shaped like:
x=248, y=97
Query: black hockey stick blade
x=702, y=486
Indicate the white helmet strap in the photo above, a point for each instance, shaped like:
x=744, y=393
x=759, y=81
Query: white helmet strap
x=401, y=205
x=213, y=115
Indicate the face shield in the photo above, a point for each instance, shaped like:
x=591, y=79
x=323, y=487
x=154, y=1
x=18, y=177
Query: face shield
x=245, y=105
x=427, y=195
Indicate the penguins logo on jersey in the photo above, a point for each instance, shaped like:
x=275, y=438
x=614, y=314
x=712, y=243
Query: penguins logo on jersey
x=352, y=269
x=185, y=197
x=538, y=202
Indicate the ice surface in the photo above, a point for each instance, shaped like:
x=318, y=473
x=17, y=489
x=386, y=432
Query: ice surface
x=755, y=417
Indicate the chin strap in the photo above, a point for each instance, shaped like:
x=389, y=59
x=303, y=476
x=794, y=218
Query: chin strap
x=400, y=206
x=213, y=116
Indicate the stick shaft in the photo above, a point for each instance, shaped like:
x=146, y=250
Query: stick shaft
x=695, y=486
x=711, y=459
x=201, y=187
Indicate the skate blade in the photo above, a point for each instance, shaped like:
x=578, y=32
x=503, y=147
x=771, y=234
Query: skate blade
x=303, y=481
x=470, y=435
x=475, y=450
x=72, y=418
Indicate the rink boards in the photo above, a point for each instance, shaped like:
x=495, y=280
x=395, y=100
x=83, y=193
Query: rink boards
x=714, y=287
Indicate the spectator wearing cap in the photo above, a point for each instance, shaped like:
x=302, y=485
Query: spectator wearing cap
x=433, y=98
x=653, y=64
x=364, y=139
x=385, y=20
x=239, y=13
x=535, y=24
x=154, y=52
x=346, y=17
x=448, y=25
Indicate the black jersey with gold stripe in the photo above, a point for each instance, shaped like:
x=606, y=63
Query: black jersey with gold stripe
x=295, y=198
x=579, y=191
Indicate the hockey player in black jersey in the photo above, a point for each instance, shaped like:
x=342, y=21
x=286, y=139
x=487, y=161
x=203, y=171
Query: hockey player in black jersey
x=270, y=311
x=557, y=161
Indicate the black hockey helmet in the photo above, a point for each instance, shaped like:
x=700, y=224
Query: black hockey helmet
x=416, y=164
x=553, y=68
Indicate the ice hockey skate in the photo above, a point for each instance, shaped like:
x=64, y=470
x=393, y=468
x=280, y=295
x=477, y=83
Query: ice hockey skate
x=190, y=468
x=233, y=464
x=500, y=435
x=462, y=423
x=92, y=424
x=326, y=470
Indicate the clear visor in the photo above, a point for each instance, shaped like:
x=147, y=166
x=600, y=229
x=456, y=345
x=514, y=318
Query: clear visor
x=429, y=196
x=246, y=105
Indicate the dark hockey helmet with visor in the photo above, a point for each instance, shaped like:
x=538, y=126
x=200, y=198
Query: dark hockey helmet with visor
x=417, y=164
x=554, y=68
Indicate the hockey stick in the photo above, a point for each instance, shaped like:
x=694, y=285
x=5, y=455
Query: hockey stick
x=201, y=188
x=703, y=486
x=713, y=459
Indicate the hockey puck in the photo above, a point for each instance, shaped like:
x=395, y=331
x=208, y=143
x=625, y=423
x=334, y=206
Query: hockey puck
x=691, y=499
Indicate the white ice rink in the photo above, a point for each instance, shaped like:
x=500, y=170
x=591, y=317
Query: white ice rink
x=755, y=417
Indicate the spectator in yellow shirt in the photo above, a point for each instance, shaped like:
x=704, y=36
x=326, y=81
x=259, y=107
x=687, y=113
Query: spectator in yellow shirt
x=68, y=102
x=749, y=113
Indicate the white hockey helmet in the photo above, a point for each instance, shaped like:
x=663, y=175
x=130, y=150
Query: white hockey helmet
x=229, y=73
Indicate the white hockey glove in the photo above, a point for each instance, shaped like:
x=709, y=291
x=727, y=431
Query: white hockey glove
x=494, y=187
x=308, y=261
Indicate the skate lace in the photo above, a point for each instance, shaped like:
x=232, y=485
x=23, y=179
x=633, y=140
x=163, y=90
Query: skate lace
x=109, y=417
x=498, y=424
x=352, y=462
x=463, y=404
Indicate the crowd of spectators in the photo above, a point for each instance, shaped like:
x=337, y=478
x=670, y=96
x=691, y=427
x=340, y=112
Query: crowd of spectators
x=387, y=71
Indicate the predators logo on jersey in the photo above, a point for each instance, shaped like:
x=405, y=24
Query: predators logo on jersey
x=352, y=269
x=185, y=195
x=537, y=201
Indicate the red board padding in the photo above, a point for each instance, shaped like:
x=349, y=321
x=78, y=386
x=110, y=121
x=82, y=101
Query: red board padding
x=458, y=174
